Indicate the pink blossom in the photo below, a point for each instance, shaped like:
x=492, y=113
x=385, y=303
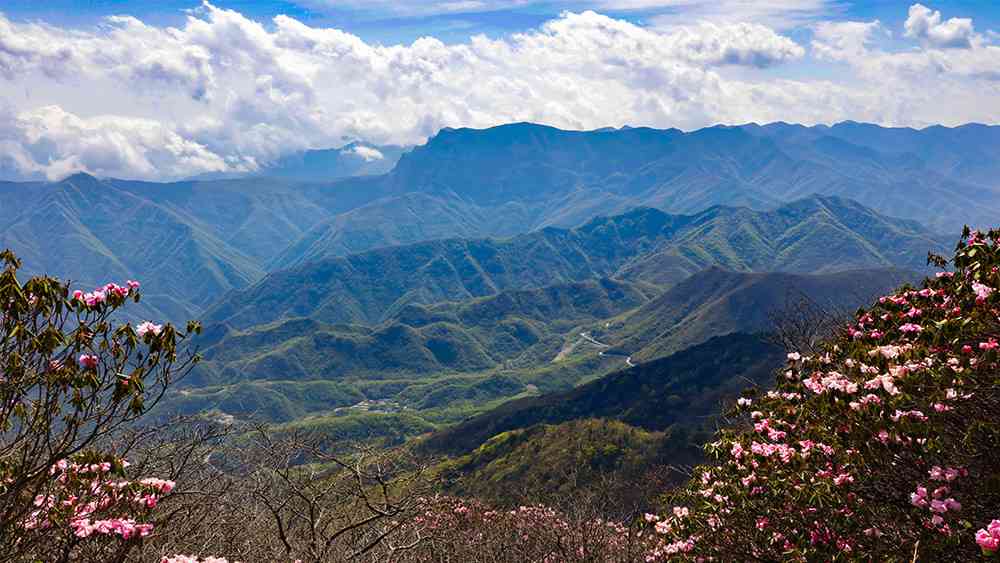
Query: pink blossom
x=910, y=328
x=987, y=541
x=147, y=327
x=88, y=361
x=982, y=292
x=737, y=451
x=843, y=478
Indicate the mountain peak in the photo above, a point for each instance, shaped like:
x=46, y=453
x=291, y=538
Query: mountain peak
x=79, y=178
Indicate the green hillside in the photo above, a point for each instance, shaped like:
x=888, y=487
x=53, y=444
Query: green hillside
x=816, y=234
x=607, y=457
x=684, y=388
x=716, y=301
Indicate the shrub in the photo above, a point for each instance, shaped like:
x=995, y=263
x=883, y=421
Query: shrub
x=71, y=378
x=882, y=446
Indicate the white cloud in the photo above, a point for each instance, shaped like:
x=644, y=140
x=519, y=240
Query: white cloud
x=737, y=44
x=223, y=92
x=369, y=154
x=53, y=142
x=926, y=25
x=844, y=41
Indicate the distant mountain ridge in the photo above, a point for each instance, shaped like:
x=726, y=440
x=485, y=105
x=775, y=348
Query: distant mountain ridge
x=901, y=172
x=716, y=302
x=812, y=235
x=498, y=182
x=432, y=354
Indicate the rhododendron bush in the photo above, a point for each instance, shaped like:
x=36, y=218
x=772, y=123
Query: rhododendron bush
x=882, y=446
x=70, y=379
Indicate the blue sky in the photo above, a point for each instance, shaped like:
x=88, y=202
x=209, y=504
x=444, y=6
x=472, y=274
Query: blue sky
x=175, y=88
x=394, y=22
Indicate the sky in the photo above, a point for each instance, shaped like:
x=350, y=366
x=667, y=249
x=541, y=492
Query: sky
x=175, y=88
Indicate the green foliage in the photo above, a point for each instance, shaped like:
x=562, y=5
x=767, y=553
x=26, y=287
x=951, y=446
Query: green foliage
x=507, y=468
x=703, y=375
x=811, y=235
x=383, y=429
x=71, y=377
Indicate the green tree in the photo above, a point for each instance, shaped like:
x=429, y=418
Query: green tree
x=71, y=378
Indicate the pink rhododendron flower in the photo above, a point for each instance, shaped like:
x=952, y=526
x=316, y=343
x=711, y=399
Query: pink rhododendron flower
x=989, y=538
x=147, y=327
x=88, y=361
x=982, y=292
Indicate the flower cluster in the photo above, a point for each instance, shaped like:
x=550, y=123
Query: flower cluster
x=90, y=497
x=989, y=538
x=469, y=528
x=193, y=559
x=148, y=328
x=879, y=439
x=108, y=293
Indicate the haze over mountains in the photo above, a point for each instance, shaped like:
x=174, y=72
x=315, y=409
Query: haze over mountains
x=468, y=183
x=645, y=245
x=466, y=273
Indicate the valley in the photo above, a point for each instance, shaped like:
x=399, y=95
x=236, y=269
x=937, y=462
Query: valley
x=497, y=292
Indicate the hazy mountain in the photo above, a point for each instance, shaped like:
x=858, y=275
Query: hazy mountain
x=817, y=234
x=940, y=176
x=515, y=178
x=324, y=165
x=716, y=301
x=968, y=153
x=87, y=231
x=505, y=181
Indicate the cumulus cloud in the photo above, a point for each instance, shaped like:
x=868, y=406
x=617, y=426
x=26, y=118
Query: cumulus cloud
x=735, y=44
x=845, y=41
x=53, y=142
x=223, y=92
x=369, y=154
x=926, y=25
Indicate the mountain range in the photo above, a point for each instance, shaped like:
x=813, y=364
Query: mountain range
x=443, y=362
x=201, y=239
x=818, y=234
x=594, y=297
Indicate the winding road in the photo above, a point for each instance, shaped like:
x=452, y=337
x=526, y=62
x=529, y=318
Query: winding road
x=586, y=336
